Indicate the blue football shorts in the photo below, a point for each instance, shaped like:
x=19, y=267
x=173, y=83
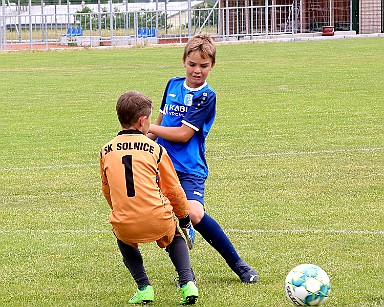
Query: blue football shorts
x=193, y=186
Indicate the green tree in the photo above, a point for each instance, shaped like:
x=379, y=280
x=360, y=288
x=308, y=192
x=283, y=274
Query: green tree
x=84, y=17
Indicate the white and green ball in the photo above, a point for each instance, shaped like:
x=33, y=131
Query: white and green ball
x=307, y=285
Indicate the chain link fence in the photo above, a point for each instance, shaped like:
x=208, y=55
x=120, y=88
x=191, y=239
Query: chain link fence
x=123, y=24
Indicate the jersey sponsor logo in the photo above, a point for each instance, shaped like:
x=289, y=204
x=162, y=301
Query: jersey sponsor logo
x=175, y=110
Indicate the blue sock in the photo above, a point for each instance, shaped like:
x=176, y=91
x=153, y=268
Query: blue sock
x=216, y=237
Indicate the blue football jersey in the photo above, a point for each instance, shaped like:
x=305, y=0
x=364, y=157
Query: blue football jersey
x=196, y=108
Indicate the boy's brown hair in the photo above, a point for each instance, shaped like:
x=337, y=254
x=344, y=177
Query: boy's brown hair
x=131, y=106
x=202, y=43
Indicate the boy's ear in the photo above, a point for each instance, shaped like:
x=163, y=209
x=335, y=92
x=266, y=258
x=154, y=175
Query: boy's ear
x=142, y=120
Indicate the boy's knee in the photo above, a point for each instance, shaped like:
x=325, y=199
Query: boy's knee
x=196, y=211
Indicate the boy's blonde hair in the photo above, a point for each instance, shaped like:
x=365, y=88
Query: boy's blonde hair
x=202, y=43
x=132, y=105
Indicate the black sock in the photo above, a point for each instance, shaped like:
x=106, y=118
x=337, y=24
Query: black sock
x=178, y=252
x=134, y=262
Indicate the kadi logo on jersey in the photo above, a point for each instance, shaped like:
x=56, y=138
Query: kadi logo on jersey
x=175, y=110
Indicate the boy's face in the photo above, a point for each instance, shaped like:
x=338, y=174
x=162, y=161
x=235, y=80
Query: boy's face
x=197, y=69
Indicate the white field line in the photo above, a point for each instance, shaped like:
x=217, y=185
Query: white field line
x=290, y=153
x=312, y=231
x=28, y=168
x=297, y=153
x=260, y=231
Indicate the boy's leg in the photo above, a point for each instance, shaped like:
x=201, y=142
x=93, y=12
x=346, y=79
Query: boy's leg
x=178, y=252
x=212, y=232
x=216, y=237
x=134, y=262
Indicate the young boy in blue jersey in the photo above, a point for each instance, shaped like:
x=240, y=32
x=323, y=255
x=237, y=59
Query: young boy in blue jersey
x=186, y=115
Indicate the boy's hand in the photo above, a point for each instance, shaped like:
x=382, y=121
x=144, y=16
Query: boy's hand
x=188, y=231
x=152, y=136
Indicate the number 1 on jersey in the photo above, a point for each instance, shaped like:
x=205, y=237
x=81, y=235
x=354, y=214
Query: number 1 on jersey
x=127, y=161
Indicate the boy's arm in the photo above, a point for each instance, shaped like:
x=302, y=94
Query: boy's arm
x=173, y=134
x=170, y=186
x=105, y=185
x=203, y=110
x=159, y=119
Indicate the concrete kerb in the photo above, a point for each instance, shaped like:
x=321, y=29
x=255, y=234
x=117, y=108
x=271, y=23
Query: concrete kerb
x=299, y=37
x=120, y=41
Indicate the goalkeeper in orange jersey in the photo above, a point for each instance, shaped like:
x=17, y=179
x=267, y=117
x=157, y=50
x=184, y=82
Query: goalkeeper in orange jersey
x=140, y=185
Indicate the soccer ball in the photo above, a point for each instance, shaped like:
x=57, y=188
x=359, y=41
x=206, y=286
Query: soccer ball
x=307, y=285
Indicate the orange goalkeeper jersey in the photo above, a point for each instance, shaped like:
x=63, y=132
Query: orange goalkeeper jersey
x=140, y=185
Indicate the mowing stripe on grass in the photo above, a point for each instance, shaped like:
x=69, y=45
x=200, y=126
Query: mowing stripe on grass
x=268, y=231
x=289, y=153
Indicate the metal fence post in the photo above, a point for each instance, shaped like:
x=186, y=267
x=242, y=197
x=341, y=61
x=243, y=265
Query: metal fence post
x=127, y=19
x=266, y=18
x=46, y=31
x=251, y=19
x=42, y=18
x=99, y=16
x=226, y=19
x=293, y=19
x=111, y=19
x=68, y=3
x=30, y=24
x=189, y=19
x=135, y=27
x=180, y=29
x=295, y=24
x=157, y=18
x=3, y=30
x=90, y=29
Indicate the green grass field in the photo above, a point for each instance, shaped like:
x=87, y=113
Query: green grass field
x=296, y=172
